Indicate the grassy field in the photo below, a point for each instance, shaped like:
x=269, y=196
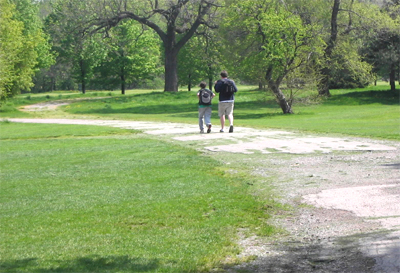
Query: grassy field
x=98, y=199
x=368, y=112
x=107, y=200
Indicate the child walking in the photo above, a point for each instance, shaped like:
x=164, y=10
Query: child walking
x=205, y=96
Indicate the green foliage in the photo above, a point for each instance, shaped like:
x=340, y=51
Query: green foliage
x=27, y=11
x=199, y=59
x=382, y=49
x=349, y=66
x=78, y=53
x=24, y=48
x=277, y=38
x=133, y=55
x=348, y=69
x=253, y=36
x=18, y=57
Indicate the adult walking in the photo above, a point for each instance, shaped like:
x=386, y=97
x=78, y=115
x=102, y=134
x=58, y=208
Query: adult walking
x=226, y=89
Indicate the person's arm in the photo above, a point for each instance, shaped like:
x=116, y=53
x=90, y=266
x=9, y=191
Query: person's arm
x=234, y=86
x=217, y=86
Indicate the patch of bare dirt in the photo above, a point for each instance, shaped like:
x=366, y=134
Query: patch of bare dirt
x=345, y=217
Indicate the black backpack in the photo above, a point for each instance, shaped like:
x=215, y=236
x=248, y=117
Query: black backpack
x=205, y=97
x=228, y=86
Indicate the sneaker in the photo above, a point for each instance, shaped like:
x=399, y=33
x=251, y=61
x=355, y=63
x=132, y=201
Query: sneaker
x=231, y=129
x=209, y=129
x=202, y=132
x=221, y=131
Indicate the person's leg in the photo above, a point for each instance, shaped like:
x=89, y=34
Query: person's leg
x=222, y=119
x=230, y=116
x=207, y=118
x=221, y=115
x=201, y=115
x=207, y=115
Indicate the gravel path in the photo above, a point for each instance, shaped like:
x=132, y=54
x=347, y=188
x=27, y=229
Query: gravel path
x=344, y=191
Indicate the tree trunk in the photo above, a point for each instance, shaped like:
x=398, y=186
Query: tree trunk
x=323, y=86
x=122, y=82
x=392, y=77
x=171, y=68
x=274, y=86
x=280, y=97
x=83, y=76
x=210, y=77
x=83, y=86
x=260, y=86
x=190, y=83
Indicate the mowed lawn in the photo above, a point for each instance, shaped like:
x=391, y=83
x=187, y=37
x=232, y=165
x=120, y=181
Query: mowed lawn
x=98, y=199
x=366, y=112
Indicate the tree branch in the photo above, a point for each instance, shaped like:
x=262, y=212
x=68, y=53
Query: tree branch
x=203, y=10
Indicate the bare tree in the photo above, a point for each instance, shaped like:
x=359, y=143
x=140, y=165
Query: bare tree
x=175, y=22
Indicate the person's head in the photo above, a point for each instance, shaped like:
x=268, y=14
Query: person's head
x=203, y=85
x=224, y=74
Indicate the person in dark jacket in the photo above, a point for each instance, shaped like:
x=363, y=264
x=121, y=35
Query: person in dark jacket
x=226, y=88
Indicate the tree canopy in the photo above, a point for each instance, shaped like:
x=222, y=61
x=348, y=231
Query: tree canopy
x=104, y=44
x=23, y=46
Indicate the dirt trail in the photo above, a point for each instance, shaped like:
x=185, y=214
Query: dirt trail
x=345, y=192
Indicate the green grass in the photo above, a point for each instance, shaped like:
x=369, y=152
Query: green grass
x=99, y=199
x=102, y=200
x=38, y=131
x=367, y=112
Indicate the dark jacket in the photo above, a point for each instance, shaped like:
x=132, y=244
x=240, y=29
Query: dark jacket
x=219, y=88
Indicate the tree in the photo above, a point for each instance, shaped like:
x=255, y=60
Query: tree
x=81, y=53
x=352, y=24
x=192, y=65
x=133, y=55
x=383, y=51
x=23, y=47
x=276, y=42
x=174, y=21
x=323, y=87
x=199, y=60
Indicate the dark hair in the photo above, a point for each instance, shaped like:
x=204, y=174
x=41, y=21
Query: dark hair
x=203, y=84
x=224, y=74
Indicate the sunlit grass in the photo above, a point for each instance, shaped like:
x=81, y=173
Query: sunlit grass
x=100, y=202
x=367, y=112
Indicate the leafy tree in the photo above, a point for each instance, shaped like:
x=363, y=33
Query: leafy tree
x=198, y=60
x=133, y=55
x=192, y=64
x=276, y=42
x=27, y=11
x=175, y=22
x=347, y=68
x=383, y=48
x=76, y=51
x=352, y=23
x=22, y=49
x=383, y=51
